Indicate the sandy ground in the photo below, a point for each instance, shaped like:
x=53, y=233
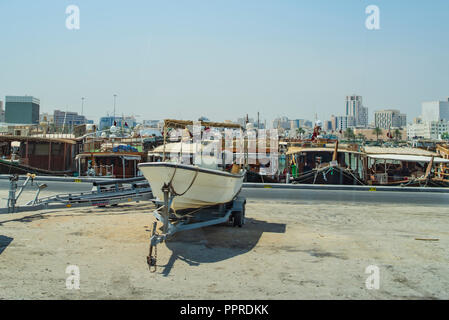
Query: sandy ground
x=285, y=251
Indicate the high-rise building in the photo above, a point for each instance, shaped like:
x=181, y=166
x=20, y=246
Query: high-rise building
x=428, y=129
x=63, y=118
x=46, y=117
x=2, y=112
x=281, y=123
x=151, y=123
x=342, y=122
x=107, y=122
x=389, y=118
x=308, y=124
x=333, y=122
x=433, y=123
x=435, y=111
x=22, y=109
x=355, y=109
x=242, y=121
x=417, y=120
x=327, y=125
x=294, y=124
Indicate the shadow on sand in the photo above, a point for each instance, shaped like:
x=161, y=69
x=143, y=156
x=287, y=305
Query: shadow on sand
x=86, y=211
x=4, y=242
x=216, y=243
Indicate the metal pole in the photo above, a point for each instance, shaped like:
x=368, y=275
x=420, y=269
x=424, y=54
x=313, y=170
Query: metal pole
x=115, y=96
x=23, y=187
x=49, y=156
x=12, y=193
x=65, y=153
x=258, y=127
x=123, y=164
x=166, y=211
x=82, y=106
x=165, y=139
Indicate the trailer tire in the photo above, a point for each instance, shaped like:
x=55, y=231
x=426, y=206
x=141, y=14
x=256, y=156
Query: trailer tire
x=239, y=218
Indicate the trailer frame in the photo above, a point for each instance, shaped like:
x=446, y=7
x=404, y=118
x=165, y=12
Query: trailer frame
x=104, y=193
x=232, y=212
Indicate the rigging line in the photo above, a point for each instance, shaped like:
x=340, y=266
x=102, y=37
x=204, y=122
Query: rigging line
x=170, y=184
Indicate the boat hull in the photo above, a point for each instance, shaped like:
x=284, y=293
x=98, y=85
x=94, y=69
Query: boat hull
x=7, y=167
x=197, y=187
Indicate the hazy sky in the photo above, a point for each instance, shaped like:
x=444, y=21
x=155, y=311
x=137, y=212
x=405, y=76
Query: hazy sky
x=223, y=59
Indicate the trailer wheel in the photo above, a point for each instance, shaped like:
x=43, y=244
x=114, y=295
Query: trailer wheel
x=239, y=218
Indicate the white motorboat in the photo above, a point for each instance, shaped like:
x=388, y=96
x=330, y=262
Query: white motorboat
x=192, y=186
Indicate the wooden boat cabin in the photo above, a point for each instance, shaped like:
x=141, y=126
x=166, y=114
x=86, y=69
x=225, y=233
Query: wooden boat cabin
x=106, y=157
x=405, y=166
x=43, y=156
x=325, y=164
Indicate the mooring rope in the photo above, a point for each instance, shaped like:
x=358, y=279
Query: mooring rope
x=172, y=189
x=325, y=171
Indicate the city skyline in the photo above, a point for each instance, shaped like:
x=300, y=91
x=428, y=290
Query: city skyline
x=348, y=119
x=225, y=60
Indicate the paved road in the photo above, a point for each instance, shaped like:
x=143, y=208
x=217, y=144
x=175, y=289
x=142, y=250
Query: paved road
x=349, y=197
x=298, y=196
x=52, y=186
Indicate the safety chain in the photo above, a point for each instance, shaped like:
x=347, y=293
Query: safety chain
x=152, y=259
x=172, y=189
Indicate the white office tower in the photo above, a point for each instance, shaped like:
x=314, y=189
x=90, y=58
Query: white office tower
x=435, y=111
x=427, y=130
x=2, y=112
x=355, y=109
x=386, y=119
x=433, y=123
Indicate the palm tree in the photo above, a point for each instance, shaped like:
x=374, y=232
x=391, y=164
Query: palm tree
x=377, y=131
x=349, y=133
x=361, y=136
x=445, y=136
x=300, y=131
x=397, y=134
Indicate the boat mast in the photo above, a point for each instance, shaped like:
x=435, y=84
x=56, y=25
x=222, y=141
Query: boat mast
x=63, y=124
x=165, y=138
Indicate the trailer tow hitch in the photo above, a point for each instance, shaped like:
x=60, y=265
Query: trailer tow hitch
x=154, y=241
x=152, y=259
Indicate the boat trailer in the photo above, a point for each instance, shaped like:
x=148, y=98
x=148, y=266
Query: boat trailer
x=232, y=212
x=104, y=193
